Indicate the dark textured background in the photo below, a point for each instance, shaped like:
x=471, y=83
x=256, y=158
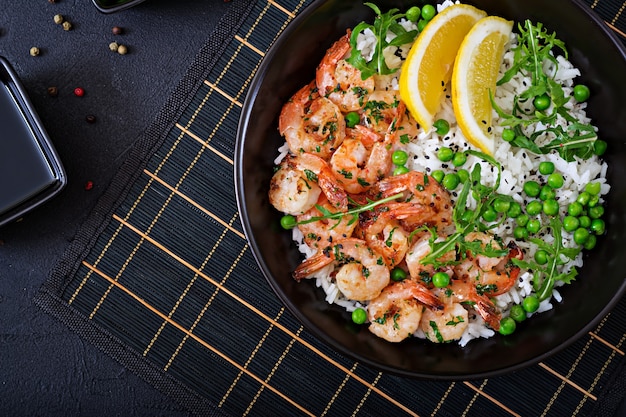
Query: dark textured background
x=46, y=370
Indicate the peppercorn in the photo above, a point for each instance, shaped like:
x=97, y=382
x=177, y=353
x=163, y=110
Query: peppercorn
x=79, y=92
x=67, y=26
x=88, y=185
x=52, y=1
x=58, y=19
x=53, y=91
x=117, y=30
x=90, y=118
x=113, y=46
x=34, y=51
x=122, y=50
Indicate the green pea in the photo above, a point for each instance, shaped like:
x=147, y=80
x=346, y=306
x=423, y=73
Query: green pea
x=599, y=147
x=459, y=159
x=596, y=212
x=467, y=215
x=555, y=180
x=520, y=233
x=507, y=326
x=508, y=135
x=532, y=188
x=530, y=304
x=441, y=279
x=288, y=222
x=421, y=24
x=533, y=226
x=445, y=154
x=546, y=167
x=581, y=93
x=442, y=127
x=501, y=205
x=590, y=243
x=551, y=207
x=400, y=170
x=570, y=223
x=541, y=257
x=598, y=226
x=413, y=14
x=352, y=119
x=490, y=215
x=399, y=157
x=575, y=209
x=542, y=102
x=517, y=313
x=515, y=210
x=398, y=274
x=463, y=175
x=428, y=11
x=534, y=207
x=547, y=193
x=585, y=221
x=450, y=181
x=438, y=175
x=359, y=316
x=581, y=235
x=522, y=220
x=583, y=198
x=593, y=188
x=593, y=201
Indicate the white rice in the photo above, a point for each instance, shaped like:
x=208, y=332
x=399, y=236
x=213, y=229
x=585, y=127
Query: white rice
x=518, y=167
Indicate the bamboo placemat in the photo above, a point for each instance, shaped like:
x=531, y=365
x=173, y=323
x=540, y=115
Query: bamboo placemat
x=162, y=279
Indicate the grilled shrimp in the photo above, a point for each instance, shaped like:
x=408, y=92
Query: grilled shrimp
x=446, y=324
x=339, y=81
x=311, y=123
x=321, y=233
x=361, y=160
x=422, y=188
x=361, y=273
x=464, y=292
x=491, y=275
x=383, y=232
x=396, y=313
x=296, y=186
x=421, y=248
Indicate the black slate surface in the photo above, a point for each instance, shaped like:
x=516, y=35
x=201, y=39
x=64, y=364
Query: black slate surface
x=46, y=369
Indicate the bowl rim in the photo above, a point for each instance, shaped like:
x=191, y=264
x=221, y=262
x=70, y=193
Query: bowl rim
x=312, y=327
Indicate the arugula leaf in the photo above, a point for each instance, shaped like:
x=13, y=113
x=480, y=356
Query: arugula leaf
x=383, y=24
x=536, y=47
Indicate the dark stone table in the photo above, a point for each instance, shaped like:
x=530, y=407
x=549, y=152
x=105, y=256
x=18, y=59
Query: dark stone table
x=46, y=370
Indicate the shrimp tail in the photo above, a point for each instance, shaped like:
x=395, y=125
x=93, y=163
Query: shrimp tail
x=425, y=296
x=312, y=264
x=487, y=311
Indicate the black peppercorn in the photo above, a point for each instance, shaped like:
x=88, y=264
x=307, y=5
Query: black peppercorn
x=117, y=30
x=90, y=118
x=53, y=91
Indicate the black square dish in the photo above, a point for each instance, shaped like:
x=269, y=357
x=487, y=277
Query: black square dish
x=30, y=170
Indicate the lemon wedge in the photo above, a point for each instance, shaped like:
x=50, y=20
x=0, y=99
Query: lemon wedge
x=429, y=64
x=474, y=77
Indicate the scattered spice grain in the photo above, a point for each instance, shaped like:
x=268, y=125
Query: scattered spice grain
x=67, y=26
x=58, y=19
x=53, y=91
x=88, y=185
x=79, y=92
x=113, y=46
x=122, y=50
x=34, y=51
x=90, y=118
x=117, y=30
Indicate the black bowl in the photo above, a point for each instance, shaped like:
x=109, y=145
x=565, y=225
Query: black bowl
x=290, y=64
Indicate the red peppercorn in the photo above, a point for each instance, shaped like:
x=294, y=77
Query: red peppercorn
x=88, y=185
x=79, y=92
x=90, y=118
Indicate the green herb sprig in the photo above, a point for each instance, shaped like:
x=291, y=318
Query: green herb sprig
x=535, y=47
x=383, y=23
